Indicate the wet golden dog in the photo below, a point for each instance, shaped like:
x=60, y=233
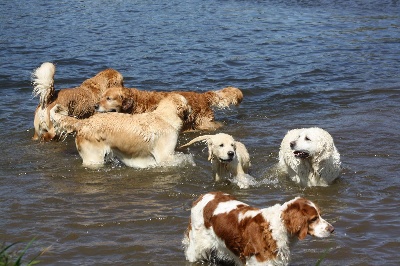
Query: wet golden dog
x=80, y=101
x=139, y=140
x=134, y=101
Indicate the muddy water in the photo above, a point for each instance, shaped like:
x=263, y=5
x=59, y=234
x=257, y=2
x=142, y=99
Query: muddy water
x=332, y=64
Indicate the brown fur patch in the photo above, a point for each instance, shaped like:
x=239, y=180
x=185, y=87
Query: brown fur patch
x=247, y=237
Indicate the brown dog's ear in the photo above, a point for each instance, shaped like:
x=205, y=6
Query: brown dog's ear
x=296, y=220
x=303, y=230
x=127, y=105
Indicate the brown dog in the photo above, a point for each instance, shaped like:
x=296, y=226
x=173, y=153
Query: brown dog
x=134, y=101
x=80, y=101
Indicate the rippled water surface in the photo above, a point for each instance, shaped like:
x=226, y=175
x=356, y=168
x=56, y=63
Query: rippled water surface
x=332, y=64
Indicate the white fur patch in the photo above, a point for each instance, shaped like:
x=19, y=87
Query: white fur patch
x=228, y=206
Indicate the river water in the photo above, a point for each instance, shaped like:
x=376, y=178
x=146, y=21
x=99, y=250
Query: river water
x=331, y=64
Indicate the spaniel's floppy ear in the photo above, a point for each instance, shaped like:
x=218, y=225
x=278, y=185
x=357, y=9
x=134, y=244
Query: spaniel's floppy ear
x=295, y=220
x=303, y=229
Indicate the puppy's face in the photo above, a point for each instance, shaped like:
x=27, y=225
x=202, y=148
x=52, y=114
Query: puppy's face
x=222, y=147
x=306, y=144
x=112, y=100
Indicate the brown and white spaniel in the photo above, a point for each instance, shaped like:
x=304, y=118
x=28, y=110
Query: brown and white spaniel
x=223, y=228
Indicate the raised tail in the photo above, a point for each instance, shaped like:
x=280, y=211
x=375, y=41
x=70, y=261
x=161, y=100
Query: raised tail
x=63, y=124
x=225, y=97
x=204, y=138
x=43, y=83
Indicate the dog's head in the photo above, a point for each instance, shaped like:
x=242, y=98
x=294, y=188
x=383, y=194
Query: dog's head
x=115, y=99
x=302, y=217
x=221, y=147
x=311, y=142
x=104, y=79
x=176, y=102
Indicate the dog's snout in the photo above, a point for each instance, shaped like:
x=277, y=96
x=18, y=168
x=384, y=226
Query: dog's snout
x=231, y=154
x=292, y=144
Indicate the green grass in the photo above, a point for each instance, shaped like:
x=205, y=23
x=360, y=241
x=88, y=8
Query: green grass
x=13, y=255
x=323, y=256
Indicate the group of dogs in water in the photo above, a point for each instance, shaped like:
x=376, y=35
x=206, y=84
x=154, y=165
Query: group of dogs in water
x=141, y=129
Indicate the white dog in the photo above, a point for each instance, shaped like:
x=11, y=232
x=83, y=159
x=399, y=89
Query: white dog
x=140, y=140
x=229, y=158
x=310, y=157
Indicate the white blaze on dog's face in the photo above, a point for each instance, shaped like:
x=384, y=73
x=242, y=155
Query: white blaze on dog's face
x=223, y=147
x=302, y=217
x=318, y=227
x=306, y=144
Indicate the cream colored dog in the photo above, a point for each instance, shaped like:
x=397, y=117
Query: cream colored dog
x=310, y=157
x=229, y=158
x=141, y=140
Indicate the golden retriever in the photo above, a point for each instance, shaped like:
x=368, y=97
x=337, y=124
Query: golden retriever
x=229, y=158
x=140, y=140
x=80, y=101
x=310, y=157
x=134, y=101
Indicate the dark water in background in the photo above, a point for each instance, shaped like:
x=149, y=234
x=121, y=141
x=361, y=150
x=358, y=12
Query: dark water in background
x=332, y=64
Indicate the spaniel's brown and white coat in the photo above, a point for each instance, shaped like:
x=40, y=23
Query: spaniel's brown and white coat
x=224, y=228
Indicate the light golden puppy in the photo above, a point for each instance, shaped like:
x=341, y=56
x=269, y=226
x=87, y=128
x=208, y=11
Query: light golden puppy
x=140, y=140
x=80, y=101
x=229, y=158
x=134, y=101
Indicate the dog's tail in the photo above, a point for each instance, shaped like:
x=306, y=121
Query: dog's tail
x=204, y=138
x=225, y=97
x=43, y=83
x=63, y=124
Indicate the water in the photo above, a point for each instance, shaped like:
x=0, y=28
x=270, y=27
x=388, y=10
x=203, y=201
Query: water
x=332, y=64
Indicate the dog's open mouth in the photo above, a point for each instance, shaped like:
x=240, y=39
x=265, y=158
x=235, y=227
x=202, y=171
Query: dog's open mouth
x=301, y=154
x=225, y=160
x=108, y=111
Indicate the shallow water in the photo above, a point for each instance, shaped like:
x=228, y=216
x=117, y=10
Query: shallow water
x=332, y=64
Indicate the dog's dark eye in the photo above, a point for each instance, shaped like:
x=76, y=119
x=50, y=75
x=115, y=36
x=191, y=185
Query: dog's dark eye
x=314, y=219
x=221, y=145
x=108, y=99
x=307, y=138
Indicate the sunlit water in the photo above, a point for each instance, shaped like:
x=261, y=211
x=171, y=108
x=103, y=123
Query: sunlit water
x=332, y=64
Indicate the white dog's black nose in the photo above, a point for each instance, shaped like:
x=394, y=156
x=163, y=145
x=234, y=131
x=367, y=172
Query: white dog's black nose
x=231, y=154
